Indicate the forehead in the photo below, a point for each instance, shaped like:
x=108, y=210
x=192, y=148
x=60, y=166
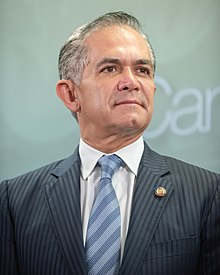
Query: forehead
x=117, y=40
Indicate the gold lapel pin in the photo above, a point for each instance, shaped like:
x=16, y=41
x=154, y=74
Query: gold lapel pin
x=160, y=192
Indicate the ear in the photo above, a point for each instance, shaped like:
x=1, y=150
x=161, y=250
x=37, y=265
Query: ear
x=66, y=91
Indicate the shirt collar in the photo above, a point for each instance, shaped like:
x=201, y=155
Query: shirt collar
x=130, y=154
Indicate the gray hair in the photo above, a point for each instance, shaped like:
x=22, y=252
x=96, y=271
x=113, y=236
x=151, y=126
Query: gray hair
x=74, y=54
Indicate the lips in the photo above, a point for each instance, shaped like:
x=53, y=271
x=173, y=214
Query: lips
x=128, y=102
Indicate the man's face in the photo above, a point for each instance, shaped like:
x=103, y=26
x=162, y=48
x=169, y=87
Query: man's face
x=116, y=93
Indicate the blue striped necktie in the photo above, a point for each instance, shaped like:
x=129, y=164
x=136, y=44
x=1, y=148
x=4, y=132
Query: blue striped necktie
x=102, y=248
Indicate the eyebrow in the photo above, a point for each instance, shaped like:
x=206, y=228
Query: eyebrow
x=117, y=61
x=144, y=62
x=108, y=61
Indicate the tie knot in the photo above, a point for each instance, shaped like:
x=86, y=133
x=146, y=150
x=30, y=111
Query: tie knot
x=109, y=165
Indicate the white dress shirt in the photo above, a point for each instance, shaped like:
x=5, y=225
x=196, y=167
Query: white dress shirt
x=123, y=181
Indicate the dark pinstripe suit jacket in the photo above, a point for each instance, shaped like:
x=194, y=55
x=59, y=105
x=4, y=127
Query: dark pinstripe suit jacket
x=41, y=231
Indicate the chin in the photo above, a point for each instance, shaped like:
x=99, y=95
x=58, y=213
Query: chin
x=134, y=125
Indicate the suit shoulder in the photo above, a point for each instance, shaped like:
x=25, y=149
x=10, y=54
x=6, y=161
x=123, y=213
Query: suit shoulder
x=176, y=168
x=42, y=173
x=191, y=174
x=177, y=163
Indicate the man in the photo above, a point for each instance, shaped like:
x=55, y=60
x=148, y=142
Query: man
x=169, y=210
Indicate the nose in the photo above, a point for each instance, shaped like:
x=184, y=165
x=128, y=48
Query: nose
x=127, y=81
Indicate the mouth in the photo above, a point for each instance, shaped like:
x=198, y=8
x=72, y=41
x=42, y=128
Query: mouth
x=128, y=102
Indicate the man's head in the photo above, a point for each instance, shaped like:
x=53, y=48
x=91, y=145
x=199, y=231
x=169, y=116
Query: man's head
x=111, y=86
x=73, y=55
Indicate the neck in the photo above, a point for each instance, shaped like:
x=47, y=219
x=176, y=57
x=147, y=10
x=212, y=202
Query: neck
x=110, y=144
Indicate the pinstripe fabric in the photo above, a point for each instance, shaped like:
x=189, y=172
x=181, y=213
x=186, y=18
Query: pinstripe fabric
x=40, y=224
x=43, y=222
x=179, y=233
x=64, y=203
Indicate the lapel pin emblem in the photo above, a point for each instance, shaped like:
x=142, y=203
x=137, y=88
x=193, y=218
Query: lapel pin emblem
x=160, y=192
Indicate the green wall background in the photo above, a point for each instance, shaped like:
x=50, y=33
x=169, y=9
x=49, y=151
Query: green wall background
x=35, y=126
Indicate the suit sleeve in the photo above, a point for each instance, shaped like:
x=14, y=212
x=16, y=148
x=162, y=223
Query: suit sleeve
x=8, y=261
x=210, y=244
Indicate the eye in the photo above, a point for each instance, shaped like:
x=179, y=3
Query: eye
x=144, y=70
x=109, y=69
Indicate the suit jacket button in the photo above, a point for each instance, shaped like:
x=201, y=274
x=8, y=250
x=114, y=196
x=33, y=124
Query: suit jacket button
x=160, y=192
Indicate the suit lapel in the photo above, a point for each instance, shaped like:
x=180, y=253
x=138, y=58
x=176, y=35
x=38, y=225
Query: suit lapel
x=63, y=197
x=146, y=209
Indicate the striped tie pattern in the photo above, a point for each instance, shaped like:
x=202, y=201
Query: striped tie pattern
x=102, y=248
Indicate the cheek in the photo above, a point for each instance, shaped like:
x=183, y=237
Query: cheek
x=149, y=93
x=151, y=99
x=94, y=102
